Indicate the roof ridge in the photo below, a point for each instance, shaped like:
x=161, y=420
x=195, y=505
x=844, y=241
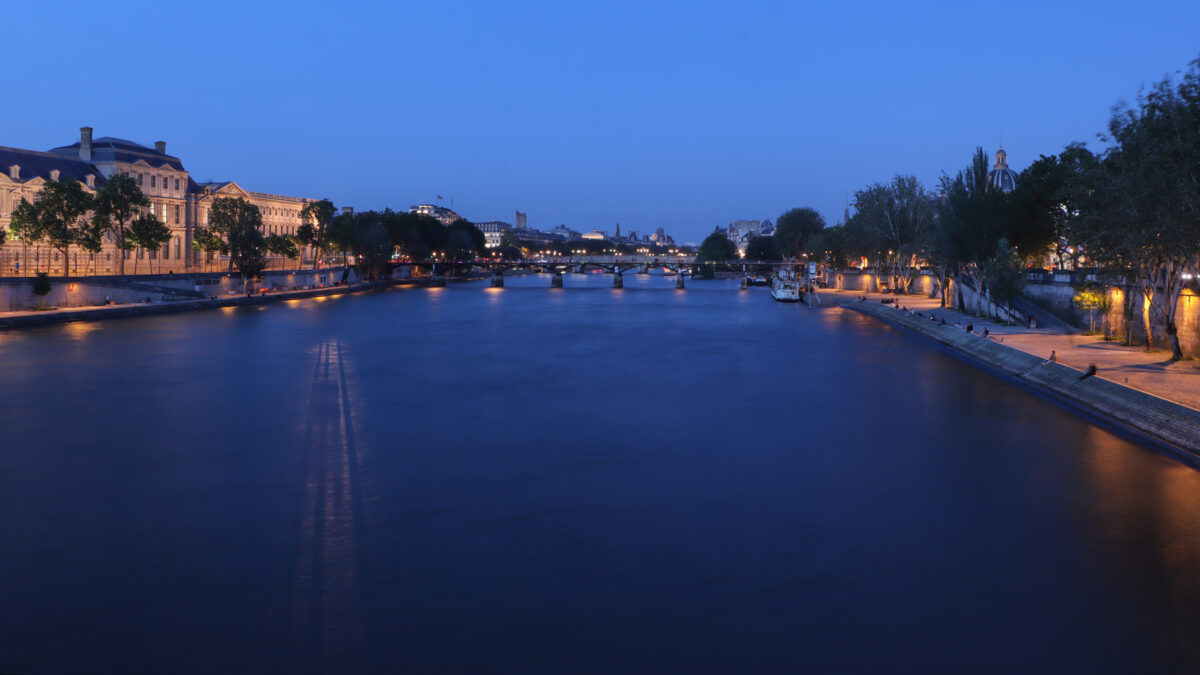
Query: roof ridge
x=55, y=155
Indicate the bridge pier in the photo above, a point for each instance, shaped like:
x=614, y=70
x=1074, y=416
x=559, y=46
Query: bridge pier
x=644, y=269
x=556, y=280
x=618, y=280
x=679, y=282
x=745, y=283
x=437, y=281
x=498, y=280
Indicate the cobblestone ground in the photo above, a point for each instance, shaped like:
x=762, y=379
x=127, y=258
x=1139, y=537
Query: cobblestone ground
x=1151, y=372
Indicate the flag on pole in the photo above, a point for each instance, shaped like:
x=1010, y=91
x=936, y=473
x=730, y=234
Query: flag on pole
x=440, y=198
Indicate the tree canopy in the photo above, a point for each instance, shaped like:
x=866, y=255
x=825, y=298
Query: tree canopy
x=239, y=224
x=117, y=202
x=794, y=228
x=716, y=247
x=55, y=216
x=316, y=217
x=763, y=248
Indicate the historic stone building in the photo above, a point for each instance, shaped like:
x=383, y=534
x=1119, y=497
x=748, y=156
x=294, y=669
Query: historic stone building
x=175, y=198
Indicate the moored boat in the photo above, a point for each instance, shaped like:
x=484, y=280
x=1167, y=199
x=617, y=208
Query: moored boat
x=785, y=286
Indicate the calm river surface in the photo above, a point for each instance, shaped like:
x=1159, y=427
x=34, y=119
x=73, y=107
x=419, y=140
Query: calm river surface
x=576, y=480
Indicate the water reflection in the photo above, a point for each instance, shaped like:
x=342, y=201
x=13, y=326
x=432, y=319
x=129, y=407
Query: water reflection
x=328, y=615
x=1145, y=512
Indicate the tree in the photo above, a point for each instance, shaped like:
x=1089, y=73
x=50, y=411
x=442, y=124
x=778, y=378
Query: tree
x=969, y=224
x=148, y=233
x=239, y=223
x=464, y=241
x=372, y=242
x=716, y=247
x=282, y=245
x=794, y=228
x=829, y=245
x=1090, y=297
x=343, y=233
x=56, y=216
x=762, y=248
x=1003, y=275
x=317, y=216
x=1148, y=220
x=894, y=218
x=117, y=202
x=204, y=239
x=91, y=239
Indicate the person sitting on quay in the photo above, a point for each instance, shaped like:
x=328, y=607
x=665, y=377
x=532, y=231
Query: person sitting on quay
x=970, y=328
x=1053, y=358
x=986, y=332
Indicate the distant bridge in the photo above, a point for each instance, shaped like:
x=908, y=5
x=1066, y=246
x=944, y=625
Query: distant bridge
x=617, y=266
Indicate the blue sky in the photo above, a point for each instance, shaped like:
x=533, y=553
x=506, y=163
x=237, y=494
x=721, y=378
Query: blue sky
x=682, y=115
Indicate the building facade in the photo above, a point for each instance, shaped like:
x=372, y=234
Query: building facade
x=493, y=231
x=177, y=200
x=443, y=214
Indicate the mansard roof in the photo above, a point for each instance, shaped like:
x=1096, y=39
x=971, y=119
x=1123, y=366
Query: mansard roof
x=109, y=149
x=36, y=164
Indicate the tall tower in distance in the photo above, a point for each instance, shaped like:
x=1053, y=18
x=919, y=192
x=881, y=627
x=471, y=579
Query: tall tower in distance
x=521, y=221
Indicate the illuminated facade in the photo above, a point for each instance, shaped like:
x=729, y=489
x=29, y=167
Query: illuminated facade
x=443, y=214
x=177, y=200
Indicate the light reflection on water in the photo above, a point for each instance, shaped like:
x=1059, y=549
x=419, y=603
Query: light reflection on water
x=467, y=478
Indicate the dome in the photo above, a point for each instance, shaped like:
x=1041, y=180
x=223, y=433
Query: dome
x=1001, y=177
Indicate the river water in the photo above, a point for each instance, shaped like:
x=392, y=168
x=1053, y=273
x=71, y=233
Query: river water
x=574, y=480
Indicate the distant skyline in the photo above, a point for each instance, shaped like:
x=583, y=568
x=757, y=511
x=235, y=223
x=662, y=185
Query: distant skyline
x=681, y=116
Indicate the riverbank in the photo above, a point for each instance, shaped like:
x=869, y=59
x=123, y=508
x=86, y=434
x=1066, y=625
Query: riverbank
x=1133, y=366
x=29, y=319
x=1151, y=417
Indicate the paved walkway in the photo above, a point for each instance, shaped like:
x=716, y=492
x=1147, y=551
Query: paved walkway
x=1151, y=372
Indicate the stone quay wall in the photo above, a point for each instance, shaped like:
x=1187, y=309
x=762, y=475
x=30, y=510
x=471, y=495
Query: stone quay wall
x=868, y=282
x=1154, y=419
x=1128, y=317
x=16, y=294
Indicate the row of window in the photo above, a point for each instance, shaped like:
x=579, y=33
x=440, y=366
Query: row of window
x=154, y=181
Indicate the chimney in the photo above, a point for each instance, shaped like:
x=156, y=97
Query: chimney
x=14, y=172
x=91, y=180
x=85, y=143
x=160, y=147
x=54, y=174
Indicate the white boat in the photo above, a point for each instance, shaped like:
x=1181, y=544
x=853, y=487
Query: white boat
x=785, y=286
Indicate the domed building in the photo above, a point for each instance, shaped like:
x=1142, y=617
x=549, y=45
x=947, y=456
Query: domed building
x=1001, y=177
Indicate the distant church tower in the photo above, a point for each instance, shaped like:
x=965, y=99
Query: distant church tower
x=1001, y=177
